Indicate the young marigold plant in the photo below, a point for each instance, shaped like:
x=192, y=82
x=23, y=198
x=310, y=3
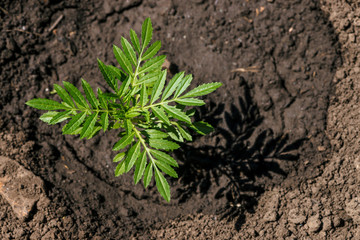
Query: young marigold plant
x=150, y=116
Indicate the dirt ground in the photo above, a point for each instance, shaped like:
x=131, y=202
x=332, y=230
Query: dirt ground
x=283, y=162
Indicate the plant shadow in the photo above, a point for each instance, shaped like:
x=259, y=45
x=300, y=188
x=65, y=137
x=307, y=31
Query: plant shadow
x=239, y=150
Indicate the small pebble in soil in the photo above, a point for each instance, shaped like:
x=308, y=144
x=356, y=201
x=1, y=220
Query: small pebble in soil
x=338, y=222
x=314, y=223
x=327, y=224
x=321, y=148
x=270, y=216
x=296, y=217
x=340, y=74
x=352, y=38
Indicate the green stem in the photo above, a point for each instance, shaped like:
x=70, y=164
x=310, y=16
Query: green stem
x=92, y=110
x=133, y=82
x=160, y=103
x=142, y=141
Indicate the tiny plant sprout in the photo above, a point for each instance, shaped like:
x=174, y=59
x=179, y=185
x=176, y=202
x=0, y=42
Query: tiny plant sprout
x=150, y=113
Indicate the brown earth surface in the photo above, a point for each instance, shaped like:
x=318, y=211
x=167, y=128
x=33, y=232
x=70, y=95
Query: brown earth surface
x=283, y=162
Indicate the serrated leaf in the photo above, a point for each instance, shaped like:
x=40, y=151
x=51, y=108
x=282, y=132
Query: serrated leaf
x=128, y=126
x=89, y=93
x=149, y=78
x=109, y=96
x=202, y=128
x=158, y=87
x=185, y=83
x=174, y=133
x=203, y=90
x=74, y=123
x=46, y=117
x=148, y=175
x=124, y=88
x=60, y=116
x=145, y=126
x=117, y=73
x=130, y=95
x=118, y=157
x=129, y=51
x=146, y=33
x=190, y=101
x=146, y=115
x=88, y=125
x=67, y=105
x=108, y=76
x=152, y=50
x=162, y=185
x=133, y=112
x=64, y=95
x=160, y=114
x=184, y=133
x=120, y=169
x=153, y=64
x=135, y=41
x=76, y=95
x=76, y=131
x=153, y=133
x=143, y=95
x=176, y=113
x=166, y=169
x=94, y=132
x=131, y=156
x=102, y=100
x=122, y=60
x=116, y=125
x=170, y=88
x=105, y=120
x=116, y=106
x=140, y=167
x=163, y=144
x=123, y=142
x=45, y=104
x=166, y=158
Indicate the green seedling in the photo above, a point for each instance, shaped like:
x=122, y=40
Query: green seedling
x=151, y=118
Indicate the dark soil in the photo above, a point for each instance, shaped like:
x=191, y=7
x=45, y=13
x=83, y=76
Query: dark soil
x=277, y=60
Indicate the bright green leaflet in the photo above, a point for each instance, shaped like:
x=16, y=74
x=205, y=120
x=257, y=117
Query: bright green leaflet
x=149, y=112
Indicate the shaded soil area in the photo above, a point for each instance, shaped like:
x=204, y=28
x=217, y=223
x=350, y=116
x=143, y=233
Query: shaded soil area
x=263, y=173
